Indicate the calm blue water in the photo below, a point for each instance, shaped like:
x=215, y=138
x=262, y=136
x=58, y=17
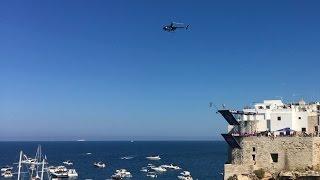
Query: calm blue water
x=203, y=159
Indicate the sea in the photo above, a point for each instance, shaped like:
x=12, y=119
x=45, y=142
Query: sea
x=204, y=159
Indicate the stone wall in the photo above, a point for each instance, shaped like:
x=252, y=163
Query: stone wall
x=293, y=153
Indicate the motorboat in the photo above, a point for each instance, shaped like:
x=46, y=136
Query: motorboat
x=144, y=169
x=127, y=157
x=152, y=174
x=72, y=173
x=6, y=168
x=60, y=172
x=185, y=175
x=51, y=169
x=7, y=174
x=68, y=163
x=121, y=174
x=154, y=158
x=171, y=166
x=159, y=169
x=99, y=164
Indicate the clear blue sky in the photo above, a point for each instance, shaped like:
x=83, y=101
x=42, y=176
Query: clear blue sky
x=105, y=70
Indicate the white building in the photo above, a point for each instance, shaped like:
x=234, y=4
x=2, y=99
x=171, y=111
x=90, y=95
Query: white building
x=274, y=115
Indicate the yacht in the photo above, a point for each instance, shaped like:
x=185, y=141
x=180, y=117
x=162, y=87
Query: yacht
x=159, y=169
x=6, y=168
x=154, y=158
x=121, y=174
x=59, y=172
x=7, y=174
x=171, y=166
x=99, y=164
x=72, y=173
x=185, y=175
x=152, y=174
x=51, y=169
x=68, y=163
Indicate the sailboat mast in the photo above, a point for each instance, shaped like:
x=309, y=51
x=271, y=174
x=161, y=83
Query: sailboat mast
x=19, y=166
x=42, y=169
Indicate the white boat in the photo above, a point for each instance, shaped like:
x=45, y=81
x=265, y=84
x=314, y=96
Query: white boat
x=51, y=169
x=144, y=169
x=185, y=175
x=159, y=169
x=127, y=157
x=121, y=174
x=7, y=174
x=153, y=158
x=68, y=163
x=72, y=173
x=152, y=174
x=59, y=172
x=99, y=164
x=6, y=168
x=171, y=166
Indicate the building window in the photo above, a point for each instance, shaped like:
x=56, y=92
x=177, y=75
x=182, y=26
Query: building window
x=260, y=107
x=254, y=149
x=299, y=117
x=274, y=157
x=303, y=129
x=316, y=128
x=253, y=157
x=268, y=107
x=279, y=118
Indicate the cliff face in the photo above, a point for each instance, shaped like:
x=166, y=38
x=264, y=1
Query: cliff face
x=273, y=155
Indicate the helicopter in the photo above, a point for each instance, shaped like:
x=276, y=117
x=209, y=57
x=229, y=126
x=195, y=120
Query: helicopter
x=173, y=26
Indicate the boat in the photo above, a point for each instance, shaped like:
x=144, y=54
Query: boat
x=88, y=153
x=144, y=169
x=7, y=174
x=171, y=166
x=126, y=157
x=151, y=166
x=159, y=169
x=60, y=172
x=152, y=174
x=153, y=158
x=6, y=168
x=72, y=173
x=68, y=163
x=121, y=174
x=99, y=164
x=185, y=175
x=51, y=169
